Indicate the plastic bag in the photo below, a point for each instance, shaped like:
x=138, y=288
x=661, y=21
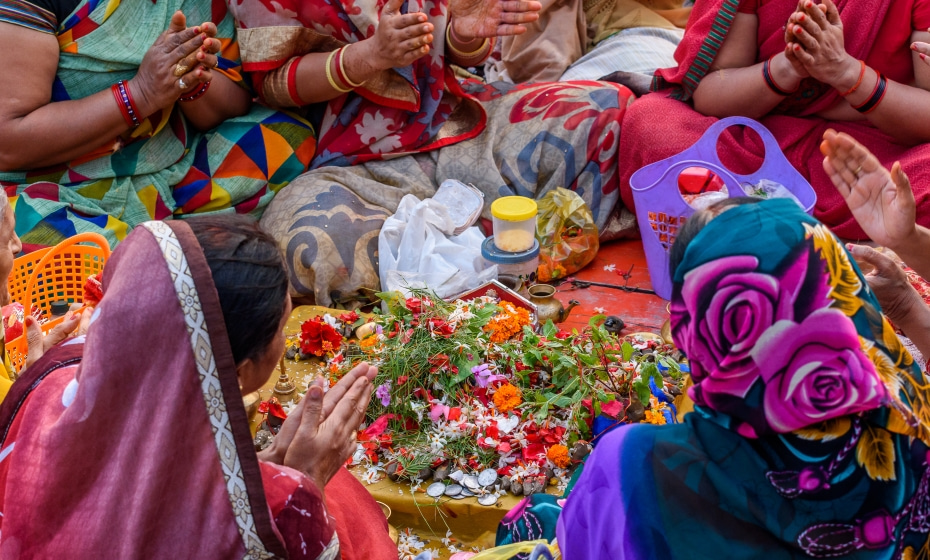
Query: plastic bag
x=567, y=234
x=417, y=249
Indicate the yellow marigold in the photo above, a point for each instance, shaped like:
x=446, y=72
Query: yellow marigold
x=558, y=454
x=507, y=398
x=654, y=413
x=509, y=322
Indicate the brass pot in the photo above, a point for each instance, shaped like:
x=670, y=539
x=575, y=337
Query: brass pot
x=547, y=306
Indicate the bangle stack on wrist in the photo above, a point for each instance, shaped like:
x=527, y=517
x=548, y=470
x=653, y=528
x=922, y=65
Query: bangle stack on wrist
x=770, y=81
x=126, y=104
x=877, y=95
x=475, y=56
x=336, y=73
x=196, y=94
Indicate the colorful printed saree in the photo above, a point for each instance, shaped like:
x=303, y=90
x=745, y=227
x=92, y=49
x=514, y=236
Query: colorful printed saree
x=809, y=436
x=877, y=31
x=164, y=168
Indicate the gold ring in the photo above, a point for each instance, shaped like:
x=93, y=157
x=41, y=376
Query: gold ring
x=216, y=64
x=857, y=171
x=180, y=69
x=181, y=84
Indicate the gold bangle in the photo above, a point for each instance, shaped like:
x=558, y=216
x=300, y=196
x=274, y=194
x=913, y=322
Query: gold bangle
x=329, y=75
x=458, y=53
x=342, y=69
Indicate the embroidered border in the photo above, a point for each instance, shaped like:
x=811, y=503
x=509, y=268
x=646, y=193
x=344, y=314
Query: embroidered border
x=196, y=323
x=706, y=55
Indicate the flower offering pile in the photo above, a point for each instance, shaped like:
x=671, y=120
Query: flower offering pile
x=467, y=391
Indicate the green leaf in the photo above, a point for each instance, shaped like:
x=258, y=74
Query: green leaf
x=596, y=320
x=642, y=390
x=589, y=360
x=562, y=401
x=549, y=329
x=627, y=349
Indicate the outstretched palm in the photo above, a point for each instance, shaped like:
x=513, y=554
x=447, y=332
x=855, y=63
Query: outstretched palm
x=881, y=202
x=492, y=18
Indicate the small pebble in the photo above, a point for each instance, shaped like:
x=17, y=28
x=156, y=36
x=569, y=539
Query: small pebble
x=391, y=471
x=441, y=473
x=516, y=489
x=425, y=473
x=505, y=484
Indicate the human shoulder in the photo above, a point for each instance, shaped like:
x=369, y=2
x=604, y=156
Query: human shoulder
x=40, y=15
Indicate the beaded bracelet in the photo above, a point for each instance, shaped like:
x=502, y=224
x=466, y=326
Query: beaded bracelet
x=877, y=94
x=858, y=82
x=770, y=81
x=450, y=35
x=329, y=74
x=341, y=69
x=126, y=104
x=196, y=94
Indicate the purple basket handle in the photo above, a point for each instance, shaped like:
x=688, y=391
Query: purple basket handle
x=734, y=188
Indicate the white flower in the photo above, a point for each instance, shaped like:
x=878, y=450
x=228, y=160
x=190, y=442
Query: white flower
x=610, y=267
x=600, y=311
x=373, y=127
x=331, y=321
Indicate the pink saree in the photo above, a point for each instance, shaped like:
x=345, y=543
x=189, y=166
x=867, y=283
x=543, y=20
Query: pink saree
x=134, y=443
x=877, y=31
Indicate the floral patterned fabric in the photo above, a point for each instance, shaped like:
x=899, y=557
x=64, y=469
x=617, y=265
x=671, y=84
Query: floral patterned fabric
x=810, y=426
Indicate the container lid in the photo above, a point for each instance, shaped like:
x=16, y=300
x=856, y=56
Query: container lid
x=514, y=208
x=491, y=253
x=59, y=307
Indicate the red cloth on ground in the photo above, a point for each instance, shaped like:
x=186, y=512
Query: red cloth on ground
x=360, y=523
x=876, y=30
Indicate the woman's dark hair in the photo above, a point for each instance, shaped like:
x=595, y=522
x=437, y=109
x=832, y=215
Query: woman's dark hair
x=696, y=223
x=249, y=276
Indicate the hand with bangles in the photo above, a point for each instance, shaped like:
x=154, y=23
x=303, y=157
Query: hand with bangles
x=815, y=41
x=180, y=62
x=399, y=39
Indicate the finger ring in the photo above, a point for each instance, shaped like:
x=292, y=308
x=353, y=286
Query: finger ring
x=216, y=63
x=180, y=69
x=181, y=84
x=857, y=171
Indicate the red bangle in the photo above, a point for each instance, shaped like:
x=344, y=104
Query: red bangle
x=770, y=81
x=859, y=81
x=292, y=81
x=196, y=94
x=126, y=105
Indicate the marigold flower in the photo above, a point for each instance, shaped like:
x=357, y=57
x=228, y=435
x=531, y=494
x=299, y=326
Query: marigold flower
x=558, y=454
x=508, y=323
x=507, y=397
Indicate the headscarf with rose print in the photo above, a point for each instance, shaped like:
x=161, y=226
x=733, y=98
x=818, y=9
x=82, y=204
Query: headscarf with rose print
x=810, y=418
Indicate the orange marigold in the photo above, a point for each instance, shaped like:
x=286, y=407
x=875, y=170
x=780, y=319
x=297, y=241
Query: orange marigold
x=509, y=322
x=507, y=398
x=558, y=454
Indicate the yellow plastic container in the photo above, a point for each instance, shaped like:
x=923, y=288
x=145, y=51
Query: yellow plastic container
x=514, y=223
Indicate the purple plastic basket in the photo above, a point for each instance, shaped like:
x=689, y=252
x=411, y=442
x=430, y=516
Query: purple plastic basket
x=661, y=211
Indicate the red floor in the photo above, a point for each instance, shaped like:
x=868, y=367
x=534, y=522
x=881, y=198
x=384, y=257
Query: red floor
x=640, y=312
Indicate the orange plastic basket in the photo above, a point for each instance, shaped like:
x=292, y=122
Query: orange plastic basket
x=53, y=274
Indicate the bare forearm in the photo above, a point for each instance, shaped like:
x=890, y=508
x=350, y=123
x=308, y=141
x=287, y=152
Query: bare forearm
x=916, y=253
x=59, y=132
x=917, y=328
x=224, y=100
x=359, y=65
x=742, y=91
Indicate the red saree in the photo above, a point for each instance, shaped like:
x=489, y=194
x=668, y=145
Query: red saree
x=877, y=31
x=135, y=443
x=417, y=108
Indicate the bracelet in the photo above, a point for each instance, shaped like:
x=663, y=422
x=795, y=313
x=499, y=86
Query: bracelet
x=858, y=82
x=126, y=105
x=770, y=81
x=450, y=35
x=197, y=94
x=341, y=69
x=292, y=81
x=877, y=94
x=329, y=74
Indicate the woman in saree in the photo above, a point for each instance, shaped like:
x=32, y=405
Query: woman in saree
x=115, y=113
x=810, y=428
x=133, y=442
x=799, y=67
x=394, y=120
